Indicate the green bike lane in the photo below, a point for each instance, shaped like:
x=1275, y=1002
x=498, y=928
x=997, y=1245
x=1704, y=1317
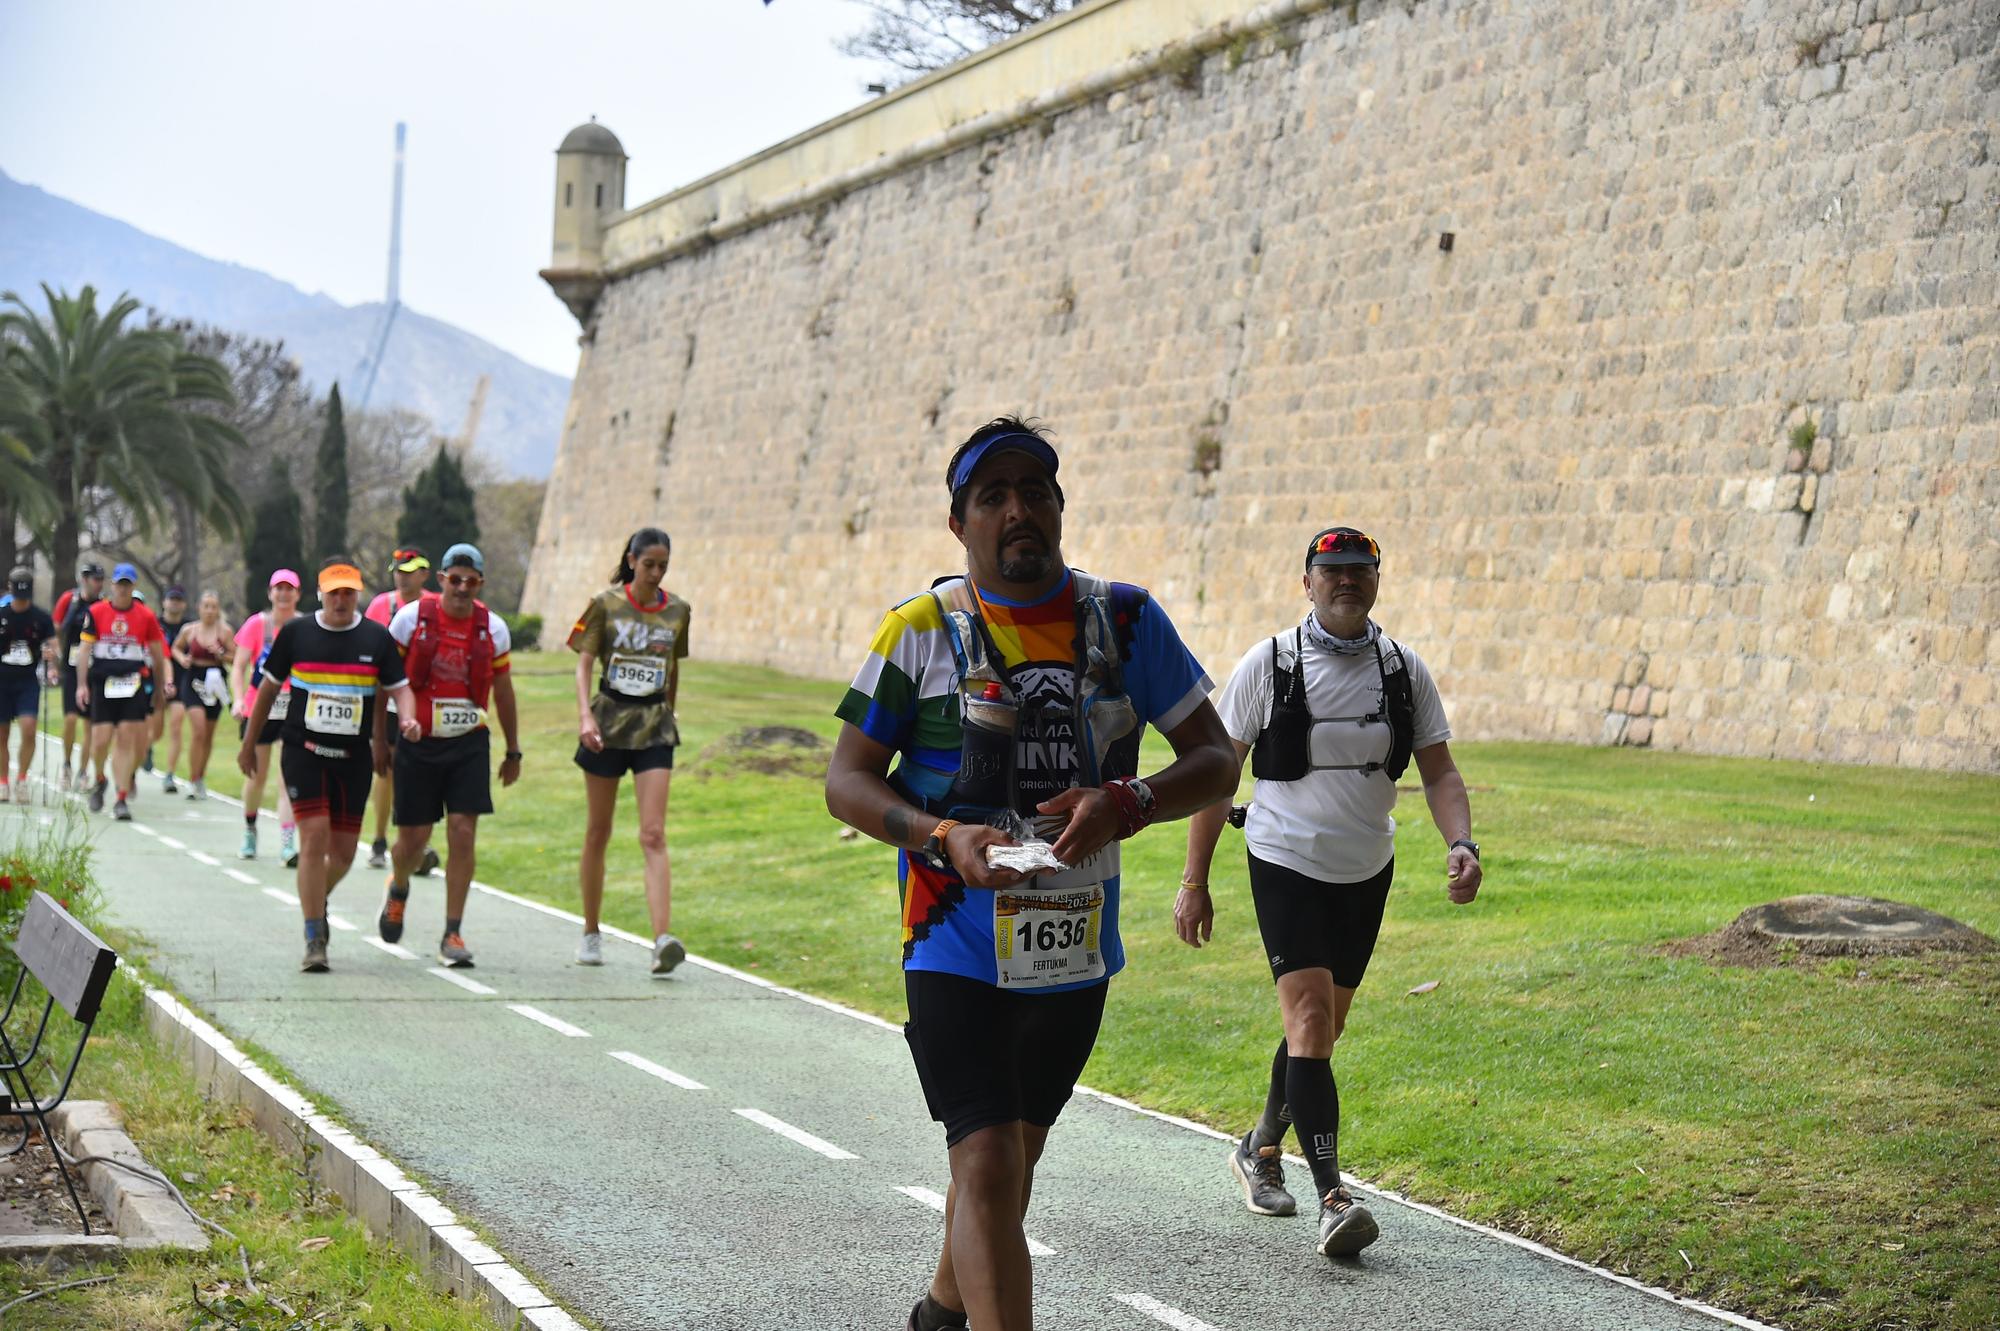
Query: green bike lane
x=711, y=1151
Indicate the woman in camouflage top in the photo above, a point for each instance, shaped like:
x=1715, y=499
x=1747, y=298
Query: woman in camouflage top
x=629, y=644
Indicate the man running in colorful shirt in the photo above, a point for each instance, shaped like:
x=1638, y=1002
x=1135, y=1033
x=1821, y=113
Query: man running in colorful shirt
x=1016, y=692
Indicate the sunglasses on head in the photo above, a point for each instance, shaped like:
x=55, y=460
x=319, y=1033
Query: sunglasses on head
x=1346, y=542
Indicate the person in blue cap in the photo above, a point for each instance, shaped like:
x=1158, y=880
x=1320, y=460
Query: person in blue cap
x=1010, y=701
x=123, y=650
x=455, y=651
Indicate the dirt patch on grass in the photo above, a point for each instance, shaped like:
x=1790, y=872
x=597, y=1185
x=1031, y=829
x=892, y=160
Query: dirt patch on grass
x=33, y=1199
x=769, y=750
x=1819, y=928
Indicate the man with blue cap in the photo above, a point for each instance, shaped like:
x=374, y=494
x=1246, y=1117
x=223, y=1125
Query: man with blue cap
x=1011, y=700
x=123, y=648
x=456, y=653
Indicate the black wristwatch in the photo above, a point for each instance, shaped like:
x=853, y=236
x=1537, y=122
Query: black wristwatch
x=514, y=755
x=1472, y=846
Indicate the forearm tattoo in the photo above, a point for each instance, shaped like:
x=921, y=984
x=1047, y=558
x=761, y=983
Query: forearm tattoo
x=896, y=822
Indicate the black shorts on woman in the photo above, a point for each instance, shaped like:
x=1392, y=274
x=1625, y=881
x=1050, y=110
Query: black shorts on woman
x=1308, y=923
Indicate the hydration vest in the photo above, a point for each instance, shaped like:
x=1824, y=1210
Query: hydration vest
x=1283, y=751
x=423, y=645
x=1103, y=721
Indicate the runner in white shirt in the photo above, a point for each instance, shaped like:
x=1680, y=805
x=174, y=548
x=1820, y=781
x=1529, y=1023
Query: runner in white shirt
x=1333, y=709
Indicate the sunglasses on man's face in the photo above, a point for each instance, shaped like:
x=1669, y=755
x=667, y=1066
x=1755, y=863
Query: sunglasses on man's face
x=462, y=580
x=1346, y=543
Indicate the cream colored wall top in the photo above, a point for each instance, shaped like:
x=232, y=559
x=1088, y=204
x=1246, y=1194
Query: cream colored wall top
x=1088, y=51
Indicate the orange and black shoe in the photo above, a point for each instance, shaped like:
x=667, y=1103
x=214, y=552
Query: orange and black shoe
x=390, y=922
x=453, y=952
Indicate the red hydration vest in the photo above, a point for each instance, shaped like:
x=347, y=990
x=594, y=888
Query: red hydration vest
x=423, y=645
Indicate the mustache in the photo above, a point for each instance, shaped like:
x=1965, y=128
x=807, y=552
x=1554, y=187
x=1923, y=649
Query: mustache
x=1023, y=529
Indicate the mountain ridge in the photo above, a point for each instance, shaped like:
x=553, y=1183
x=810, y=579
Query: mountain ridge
x=431, y=366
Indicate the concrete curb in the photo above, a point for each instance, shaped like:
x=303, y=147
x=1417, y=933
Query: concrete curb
x=143, y=1212
x=368, y=1183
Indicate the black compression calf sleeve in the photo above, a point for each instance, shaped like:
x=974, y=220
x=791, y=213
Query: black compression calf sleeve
x=1315, y=1105
x=1270, y=1129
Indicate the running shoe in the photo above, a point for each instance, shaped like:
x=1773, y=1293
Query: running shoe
x=430, y=864
x=916, y=1322
x=668, y=952
x=378, y=854
x=198, y=790
x=590, y=950
x=1345, y=1227
x=67, y=781
x=22, y=795
x=288, y=846
x=315, y=957
x=6, y=791
x=97, y=794
x=149, y=760
x=248, y=850
x=120, y=812
x=167, y=784
x=453, y=952
x=390, y=922
x=1260, y=1171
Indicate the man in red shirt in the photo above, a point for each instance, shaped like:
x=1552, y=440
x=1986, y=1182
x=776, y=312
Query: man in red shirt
x=122, y=647
x=411, y=568
x=456, y=652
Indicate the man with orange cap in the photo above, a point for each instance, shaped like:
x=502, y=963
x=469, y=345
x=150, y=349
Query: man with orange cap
x=335, y=736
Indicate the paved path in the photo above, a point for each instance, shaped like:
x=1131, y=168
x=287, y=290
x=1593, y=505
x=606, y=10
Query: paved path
x=708, y=1152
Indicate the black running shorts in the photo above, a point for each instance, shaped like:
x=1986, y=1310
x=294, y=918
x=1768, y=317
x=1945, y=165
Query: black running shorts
x=987, y=1055
x=1311, y=924
x=107, y=710
x=615, y=763
x=335, y=789
x=69, y=681
x=185, y=695
x=434, y=777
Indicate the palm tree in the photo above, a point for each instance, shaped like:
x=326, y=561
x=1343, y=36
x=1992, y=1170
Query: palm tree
x=108, y=412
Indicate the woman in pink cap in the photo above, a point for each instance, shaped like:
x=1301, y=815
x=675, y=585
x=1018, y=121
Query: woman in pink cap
x=253, y=644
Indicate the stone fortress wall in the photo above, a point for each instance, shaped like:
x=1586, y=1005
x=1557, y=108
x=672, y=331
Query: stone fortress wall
x=1204, y=242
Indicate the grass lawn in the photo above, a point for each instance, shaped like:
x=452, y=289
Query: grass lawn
x=1823, y=1142
x=303, y=1248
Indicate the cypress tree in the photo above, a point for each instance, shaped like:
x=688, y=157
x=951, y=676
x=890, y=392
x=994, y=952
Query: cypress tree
x=438, y=507
x=276, y=539
x=330, y=484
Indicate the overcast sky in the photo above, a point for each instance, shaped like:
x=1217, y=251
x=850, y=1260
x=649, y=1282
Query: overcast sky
x=263, y=132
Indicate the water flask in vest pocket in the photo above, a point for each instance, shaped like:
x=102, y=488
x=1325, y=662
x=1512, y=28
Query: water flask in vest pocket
x=986, y=751
x=1108, y=717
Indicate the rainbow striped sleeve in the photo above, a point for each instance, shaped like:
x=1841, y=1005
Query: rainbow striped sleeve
x=335, y=677
x=905, y=696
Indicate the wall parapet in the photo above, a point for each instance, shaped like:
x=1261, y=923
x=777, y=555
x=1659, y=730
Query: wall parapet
x=1089, y=52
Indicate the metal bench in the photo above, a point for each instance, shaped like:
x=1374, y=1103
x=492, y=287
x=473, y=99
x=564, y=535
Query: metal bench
x=74, y=966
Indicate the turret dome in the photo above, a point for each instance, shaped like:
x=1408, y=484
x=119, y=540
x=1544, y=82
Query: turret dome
x=592, y=138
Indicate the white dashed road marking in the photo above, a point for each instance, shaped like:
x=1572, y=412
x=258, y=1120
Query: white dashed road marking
x=393, y=949
x=142, y=829
x=241, y=877
x=279, y=894
x=799, y=1135
x=556, y=1024
x=1165, y=1313
x=654, y=1069
x=205, y=858
x=453, y=977
x=935, y=1200
x=170, y=843
x=338, y=923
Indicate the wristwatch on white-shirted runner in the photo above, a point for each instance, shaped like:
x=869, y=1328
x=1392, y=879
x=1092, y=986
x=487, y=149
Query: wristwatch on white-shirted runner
x=1472, y=846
